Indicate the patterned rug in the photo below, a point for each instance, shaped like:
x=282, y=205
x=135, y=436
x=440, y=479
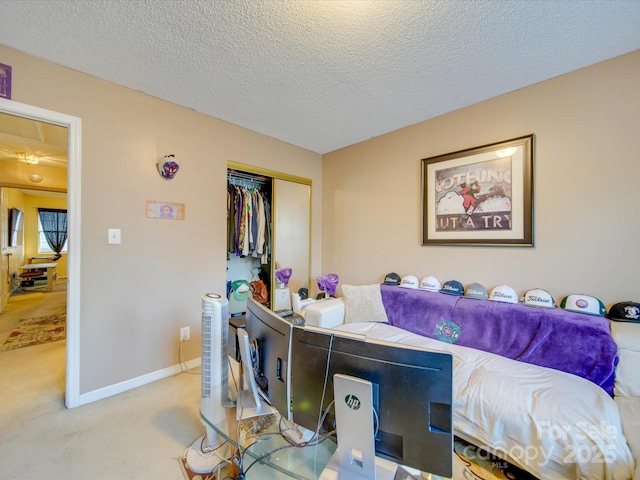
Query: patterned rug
x=36, y=331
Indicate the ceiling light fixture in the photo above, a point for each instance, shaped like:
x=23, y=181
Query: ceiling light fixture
x=28, y=158
x=35, y=177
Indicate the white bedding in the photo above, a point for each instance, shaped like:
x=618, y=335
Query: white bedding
x=553, y=424
x=630, y=412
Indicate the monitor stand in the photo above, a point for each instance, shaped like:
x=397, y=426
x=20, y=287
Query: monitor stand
x=246, y=406
x=355, y=457
x=248, y=402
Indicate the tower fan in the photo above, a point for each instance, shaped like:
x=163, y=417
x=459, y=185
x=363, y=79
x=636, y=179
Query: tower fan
x=201, y=456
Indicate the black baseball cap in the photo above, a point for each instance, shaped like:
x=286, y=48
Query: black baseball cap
x=625, y=312
x=392, y=279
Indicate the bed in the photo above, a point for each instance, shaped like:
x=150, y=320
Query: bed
x=552, y=423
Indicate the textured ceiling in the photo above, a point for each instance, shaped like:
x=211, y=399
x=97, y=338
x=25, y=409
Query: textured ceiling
x=322, y=74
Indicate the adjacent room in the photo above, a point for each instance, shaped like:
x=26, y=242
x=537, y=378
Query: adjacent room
x=143, y=121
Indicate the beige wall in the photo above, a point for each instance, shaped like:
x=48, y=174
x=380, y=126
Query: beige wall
x=586, y=199
x=135, y=296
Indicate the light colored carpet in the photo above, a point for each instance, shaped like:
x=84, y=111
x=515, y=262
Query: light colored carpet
x=139, y=434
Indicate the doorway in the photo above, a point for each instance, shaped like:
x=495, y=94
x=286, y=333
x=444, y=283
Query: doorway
x=73, y=125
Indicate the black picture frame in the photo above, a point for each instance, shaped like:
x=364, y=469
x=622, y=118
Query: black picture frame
x=480, y=196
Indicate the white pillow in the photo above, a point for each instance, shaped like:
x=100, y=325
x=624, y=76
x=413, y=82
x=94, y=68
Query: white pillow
x=630, y=413
x=628, y=374
x=363, y=304
x=626, y=335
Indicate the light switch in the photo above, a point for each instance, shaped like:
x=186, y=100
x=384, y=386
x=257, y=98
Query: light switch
x=114, y=236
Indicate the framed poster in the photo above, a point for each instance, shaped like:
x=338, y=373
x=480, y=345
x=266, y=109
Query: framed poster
x=479, y=196
x=5, y=81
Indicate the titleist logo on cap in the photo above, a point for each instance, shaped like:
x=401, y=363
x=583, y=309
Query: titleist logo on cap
x=536, y=298
x=502, y=295
x=473, y=291
x=450, y=287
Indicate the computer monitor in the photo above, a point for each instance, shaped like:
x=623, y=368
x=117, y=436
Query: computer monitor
x=411, y=394
x=269, y=336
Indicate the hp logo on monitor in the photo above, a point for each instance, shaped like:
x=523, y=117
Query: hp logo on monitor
x=352, y=402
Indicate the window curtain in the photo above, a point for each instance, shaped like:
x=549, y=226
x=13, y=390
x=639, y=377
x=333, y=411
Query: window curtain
x=54, y=227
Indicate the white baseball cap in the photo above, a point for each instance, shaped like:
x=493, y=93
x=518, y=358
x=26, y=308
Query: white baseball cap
x=409, y=281
x=538, y=297
x=583, y=304
x=431, y=284
x=504, y=294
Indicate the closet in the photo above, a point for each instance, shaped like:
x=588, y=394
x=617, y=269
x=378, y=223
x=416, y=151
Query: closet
x=268, y=228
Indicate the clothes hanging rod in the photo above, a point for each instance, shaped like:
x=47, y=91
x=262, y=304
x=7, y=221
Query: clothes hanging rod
x=242, y=178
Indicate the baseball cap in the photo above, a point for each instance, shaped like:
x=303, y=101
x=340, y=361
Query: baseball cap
x=452, y=287
x=409, y=281
x=392, y=279
x=583, y=304
x=475, y=290
x=504, y=294
x=625, y=312
x=537, y=297
x=240, y=289
x=430, y=283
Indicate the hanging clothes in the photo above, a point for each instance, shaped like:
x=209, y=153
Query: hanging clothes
x=267, y=216
x=246, y=219
x=248, y=223
x=232, y=219
x=261, y=225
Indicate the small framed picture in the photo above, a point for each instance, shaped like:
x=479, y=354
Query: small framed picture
x=5, y=81
x=480, y=196
x=165, y=210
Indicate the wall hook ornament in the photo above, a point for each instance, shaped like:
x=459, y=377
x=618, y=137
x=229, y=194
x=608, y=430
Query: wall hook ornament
x=168, y=167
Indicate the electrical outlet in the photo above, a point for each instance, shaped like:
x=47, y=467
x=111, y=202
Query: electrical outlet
x=185, y=333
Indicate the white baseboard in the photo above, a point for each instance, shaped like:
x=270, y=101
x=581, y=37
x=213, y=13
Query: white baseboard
x=132, y=383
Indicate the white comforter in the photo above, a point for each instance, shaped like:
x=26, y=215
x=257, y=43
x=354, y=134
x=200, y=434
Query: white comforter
x=550, y=423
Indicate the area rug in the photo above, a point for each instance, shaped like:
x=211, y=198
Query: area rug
x=36, y=331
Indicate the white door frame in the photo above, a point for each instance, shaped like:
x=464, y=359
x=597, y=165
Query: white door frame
x=73, y=124
x=5, y=278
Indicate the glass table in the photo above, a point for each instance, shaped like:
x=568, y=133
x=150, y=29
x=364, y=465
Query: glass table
x=263, y=452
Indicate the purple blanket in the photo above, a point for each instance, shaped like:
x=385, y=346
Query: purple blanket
x=571, y=342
